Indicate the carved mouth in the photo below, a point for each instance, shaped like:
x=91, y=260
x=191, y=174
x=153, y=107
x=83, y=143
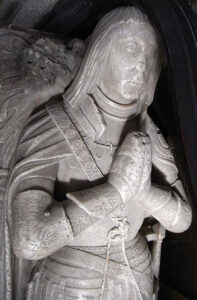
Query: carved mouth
x=131, y=84
x=137, y=82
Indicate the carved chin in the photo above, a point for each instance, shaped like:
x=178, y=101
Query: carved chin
x=131, y=90
x=130, y=98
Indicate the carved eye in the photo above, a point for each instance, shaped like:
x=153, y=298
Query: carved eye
x=141, y=67
x=131, y=47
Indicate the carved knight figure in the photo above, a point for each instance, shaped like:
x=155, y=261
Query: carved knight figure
x=81, y=185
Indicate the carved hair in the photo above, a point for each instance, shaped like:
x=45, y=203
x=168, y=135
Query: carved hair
x=93, y=61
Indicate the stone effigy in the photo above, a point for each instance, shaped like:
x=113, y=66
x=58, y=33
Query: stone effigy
x=81, y=187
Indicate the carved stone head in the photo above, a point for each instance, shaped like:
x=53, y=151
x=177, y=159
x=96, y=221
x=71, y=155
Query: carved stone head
x=122, y=59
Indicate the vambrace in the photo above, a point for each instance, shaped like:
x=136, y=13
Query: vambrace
x=169, y=207
x=97, y=201
x=40, y=226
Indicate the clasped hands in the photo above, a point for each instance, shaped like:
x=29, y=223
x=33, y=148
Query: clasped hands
x=129, y=179
x=131, y=169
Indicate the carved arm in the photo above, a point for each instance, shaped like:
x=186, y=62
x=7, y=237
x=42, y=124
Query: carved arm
x=129, y=180
x=168, y=205
x=40, y=226
x=123, y=181
x=39, y=223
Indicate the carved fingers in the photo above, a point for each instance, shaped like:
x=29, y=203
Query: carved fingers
x=131, y=169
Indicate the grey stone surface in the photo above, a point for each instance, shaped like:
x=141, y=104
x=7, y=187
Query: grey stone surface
x=25, y=56
x=80, y=186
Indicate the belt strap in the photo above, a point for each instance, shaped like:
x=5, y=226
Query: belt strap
x=73, y=138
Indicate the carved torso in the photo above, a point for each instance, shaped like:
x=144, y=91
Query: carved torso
x=94, y=239
x=71, y=177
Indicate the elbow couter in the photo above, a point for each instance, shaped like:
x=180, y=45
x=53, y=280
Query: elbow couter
x=28, y=255
x=183, y=222
x=27, y=249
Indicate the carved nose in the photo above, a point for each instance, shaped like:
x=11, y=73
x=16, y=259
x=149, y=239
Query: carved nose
x=139, y=77
x=135, y=72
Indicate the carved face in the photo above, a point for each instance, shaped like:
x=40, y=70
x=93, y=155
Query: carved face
x=129, y=63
